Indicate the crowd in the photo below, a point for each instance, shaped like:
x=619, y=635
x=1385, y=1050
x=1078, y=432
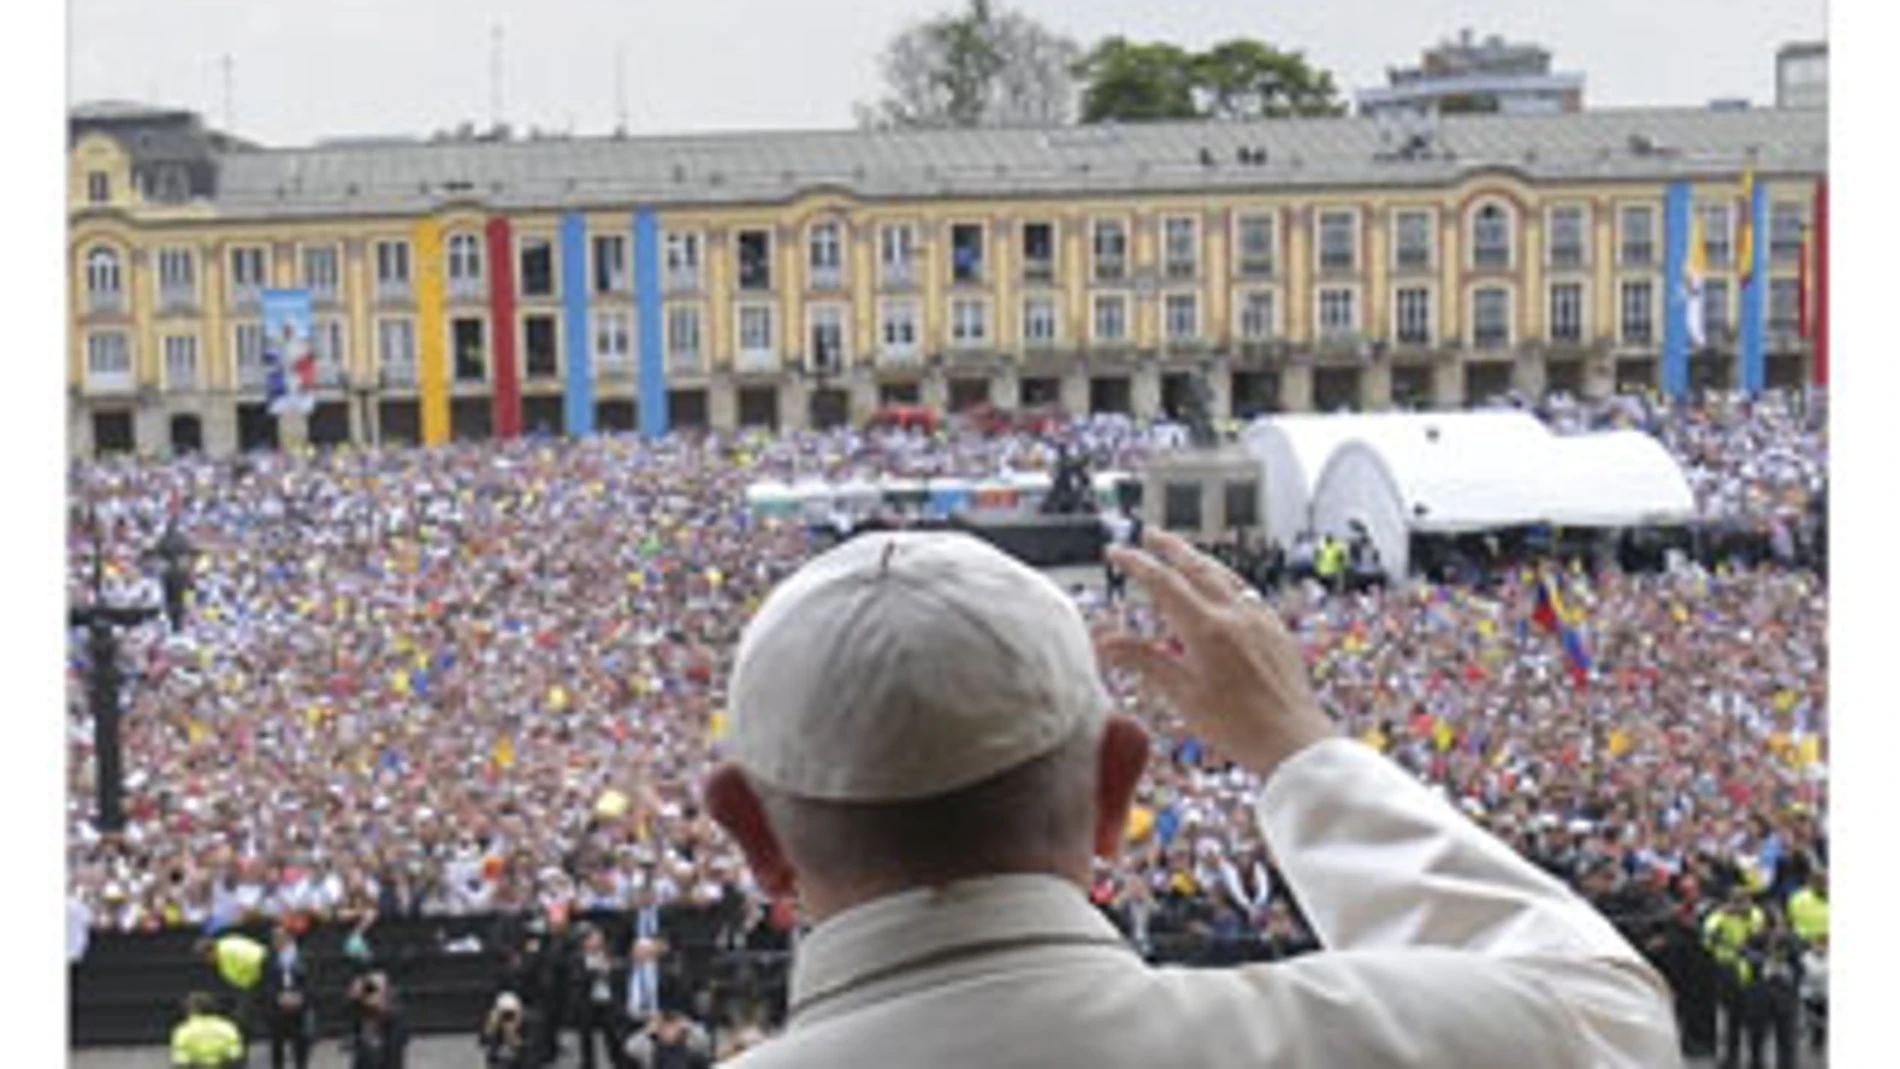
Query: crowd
x=484, y=679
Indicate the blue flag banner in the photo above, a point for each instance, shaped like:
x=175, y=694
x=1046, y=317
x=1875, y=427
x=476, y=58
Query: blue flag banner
x=1675, y=360
x=290, y=364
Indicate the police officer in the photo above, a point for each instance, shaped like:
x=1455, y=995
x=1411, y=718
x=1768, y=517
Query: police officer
x=204, y=1039
x=922, y=751
x=1727, y=933
x=239, y=961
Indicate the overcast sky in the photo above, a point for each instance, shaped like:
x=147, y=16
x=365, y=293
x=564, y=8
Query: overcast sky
x=324, y=68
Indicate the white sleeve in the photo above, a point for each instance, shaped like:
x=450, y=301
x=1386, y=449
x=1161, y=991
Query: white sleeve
x=1448, y=944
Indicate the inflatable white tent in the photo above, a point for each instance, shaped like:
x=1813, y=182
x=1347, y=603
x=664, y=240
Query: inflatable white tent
x=1294, y=450
x=1456, y=477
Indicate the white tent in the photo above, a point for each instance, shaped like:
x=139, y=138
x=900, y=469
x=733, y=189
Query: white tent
x=1458, y=477
x=1294, y=450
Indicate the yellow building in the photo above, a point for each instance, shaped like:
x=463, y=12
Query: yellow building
x=463, y=290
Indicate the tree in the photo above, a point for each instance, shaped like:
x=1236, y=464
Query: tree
x=1129, y=82
x=980, y=67
x=1126, y=81
x=1250, y=79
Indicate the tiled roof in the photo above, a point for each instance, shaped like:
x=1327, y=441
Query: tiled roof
x=726, y=168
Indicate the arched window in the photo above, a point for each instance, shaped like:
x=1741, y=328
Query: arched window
x=1491, y=236
x=103, y=292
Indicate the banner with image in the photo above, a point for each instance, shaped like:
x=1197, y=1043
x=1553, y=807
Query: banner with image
x=290, y=361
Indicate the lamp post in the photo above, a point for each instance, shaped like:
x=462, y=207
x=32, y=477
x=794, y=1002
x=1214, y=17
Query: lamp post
x=102, y=622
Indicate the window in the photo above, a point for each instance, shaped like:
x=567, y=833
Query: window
x=1338, y=312
x=755, y=260
x=969, y=323
x=1111, y=317
x=1179, y=247
x=392, y=271
x=177, y=278
x=682, y=261
x=966, y=252
x=613, y=348
x=250, y=273
x=1243, y=503
x=468, y=340
x=1717, y=244
x=1784, y=305
x=1182, y=314
x=326, y=345
x=181, y=361
x=1039, y=321
x=1338, y=241
x=537, y=267
x=610, y=263
x=1491, y=238
x=826, y=256
x=247, y=346
x=1412, y=306
x=1567, y=244
x=109, y=355
x=897, y=326
x=1491, y=318
x=1110, y=244
x=1639, y=236
x=896, y=246
x=465, y=265
x=1784, y=231
x=1715, y=317
x=539, y=348
x=98, y=187
x=320, y=272
x=1566, y=312
x=1181, y=507
x=755, y=328
x=1039, y=252
x=1256, y=241
x=682, y=335
x=1637, y=326
x=396, y=350
x=824, y=326
x=1412, y=241
x=1256, y=315
x=102, y=280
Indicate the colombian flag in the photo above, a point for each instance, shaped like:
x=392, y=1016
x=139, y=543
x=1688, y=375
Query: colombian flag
x=1550, y=614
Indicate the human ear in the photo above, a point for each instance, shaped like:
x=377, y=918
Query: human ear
x=1121, y=758
x=731, y=802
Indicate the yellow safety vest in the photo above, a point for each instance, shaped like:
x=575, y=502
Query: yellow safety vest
x=1332, y=556
x=1807, y=911
x=1725, y=934
x=209, y=1041
x=240, y=961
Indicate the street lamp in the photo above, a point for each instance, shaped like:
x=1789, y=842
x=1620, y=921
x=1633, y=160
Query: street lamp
x=101, y=623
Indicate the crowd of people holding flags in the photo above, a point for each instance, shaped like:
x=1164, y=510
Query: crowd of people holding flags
x=485, y=678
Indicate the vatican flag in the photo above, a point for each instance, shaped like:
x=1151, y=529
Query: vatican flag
x=1694, y=269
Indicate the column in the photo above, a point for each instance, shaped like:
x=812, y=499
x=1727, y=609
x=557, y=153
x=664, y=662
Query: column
x=934, y=391
x=1448, y=384
x=1529, y=373
x=1006, y=388
x=220, y=425
x=1375, y=385
x=1296, y=388
x=1221, y=385
x=794, y=403
x=1075, y=392
x=722, y=403
x=1145, y=391
x=863, y=394
x=151, y=426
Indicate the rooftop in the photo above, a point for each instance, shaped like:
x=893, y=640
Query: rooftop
x=722, y=168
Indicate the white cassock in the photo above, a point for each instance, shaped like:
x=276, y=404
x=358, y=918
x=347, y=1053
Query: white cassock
x=1444, y=948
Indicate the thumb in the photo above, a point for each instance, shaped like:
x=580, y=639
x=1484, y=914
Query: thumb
x=1152, y=665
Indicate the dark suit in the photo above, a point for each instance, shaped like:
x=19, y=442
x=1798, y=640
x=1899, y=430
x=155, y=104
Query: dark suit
x=294, y=1028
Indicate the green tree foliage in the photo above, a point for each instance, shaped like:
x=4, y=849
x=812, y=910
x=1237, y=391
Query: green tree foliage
x=1126, y=81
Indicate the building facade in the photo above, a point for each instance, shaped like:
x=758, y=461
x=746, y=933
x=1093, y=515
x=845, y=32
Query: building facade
x=1467, y=75
x=804, y=279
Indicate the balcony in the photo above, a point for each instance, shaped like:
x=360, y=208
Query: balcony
x=108, y=383
x=400, y=376
x=1039, y=272
x=1260, y=266
x=757, y=362
x=829, y=277
x=393, y=291
x=246, y=297
x=1180, y=270
x=1111, y=269
x=686, y=362
x=896, y=276
x=250, y=374
x=105, y=302
x=906, y=357
x=467, y=289
x=323, y=295
x=1336, y=263
x=682, y=279
x=1638, y=254
x=1566, y=257
x=182, y=299
x=615, y=367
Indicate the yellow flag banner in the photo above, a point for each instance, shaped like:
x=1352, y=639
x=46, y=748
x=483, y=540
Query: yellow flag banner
x=503, y=753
